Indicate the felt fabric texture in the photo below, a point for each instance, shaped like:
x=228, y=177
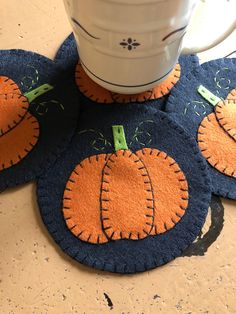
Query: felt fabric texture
x=18, y=143
x=90, y=89
x=67, y=54
x=122, y=194
x=189, y=109
x=127, y=200
x=56, y=112
x=119, y=138
x=81, y=201
x=231, y=95
x=145, y=127
x=226, y=115
x=8, y=86
x=169, y=186
x=13, y=108
x=67, y=57
x=217, y=146
x=99, y=94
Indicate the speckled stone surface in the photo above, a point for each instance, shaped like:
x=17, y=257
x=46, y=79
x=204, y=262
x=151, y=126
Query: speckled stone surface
x=36, y=278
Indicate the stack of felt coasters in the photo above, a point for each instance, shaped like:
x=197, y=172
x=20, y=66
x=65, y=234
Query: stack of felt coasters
x=124, y=182
x=132, y=191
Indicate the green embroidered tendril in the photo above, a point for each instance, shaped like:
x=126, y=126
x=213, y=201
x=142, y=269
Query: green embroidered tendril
x=139, y=132
x=42, y=107
x=219, y=80
x=195, y=104
x=99, y=138
x=105, y=144
x=29, y=81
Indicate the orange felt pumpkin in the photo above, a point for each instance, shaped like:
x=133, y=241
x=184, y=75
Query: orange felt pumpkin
x=217, y=134
x=19, y=130
x=127, y=200
x=124, y=195
x=17, y=143
x=13, y=105
x=170, y=188
x=8, y=86
x=81, y=201
x=226, y=115
x=99, y=94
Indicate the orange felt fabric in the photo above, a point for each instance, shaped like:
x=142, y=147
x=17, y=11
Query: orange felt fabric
x=232, y=94
x=89, y=88
x=99, y=94
x=226, y=115
x=81, y=202
x=8, y=86
x=124, y=98
x=13, y=108
x=165, y=87
x=127, y=203
x=17, y=143
x=170, y=188
x=217, y=146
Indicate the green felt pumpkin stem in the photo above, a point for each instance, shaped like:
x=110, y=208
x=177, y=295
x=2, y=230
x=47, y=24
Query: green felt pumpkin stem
x=32, y=95
x=119, y=137
x=206, y=94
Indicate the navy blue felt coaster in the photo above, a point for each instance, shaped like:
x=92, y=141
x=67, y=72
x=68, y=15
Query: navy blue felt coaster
x=67, y=56
x=188, y=108
x=67, y=53
x=55, y=113
x=145, y=127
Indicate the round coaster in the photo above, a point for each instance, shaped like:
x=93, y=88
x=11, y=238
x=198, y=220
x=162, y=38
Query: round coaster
x=131, y=192
x=97, y=93
x=67, y=56
x=39, y=109
x=212, y=127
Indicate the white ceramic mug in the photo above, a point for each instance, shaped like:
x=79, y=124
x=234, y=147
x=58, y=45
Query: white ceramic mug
x=129, y=46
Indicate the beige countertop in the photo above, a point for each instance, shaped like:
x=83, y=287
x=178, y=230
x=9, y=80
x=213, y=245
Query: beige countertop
x=36, y=277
